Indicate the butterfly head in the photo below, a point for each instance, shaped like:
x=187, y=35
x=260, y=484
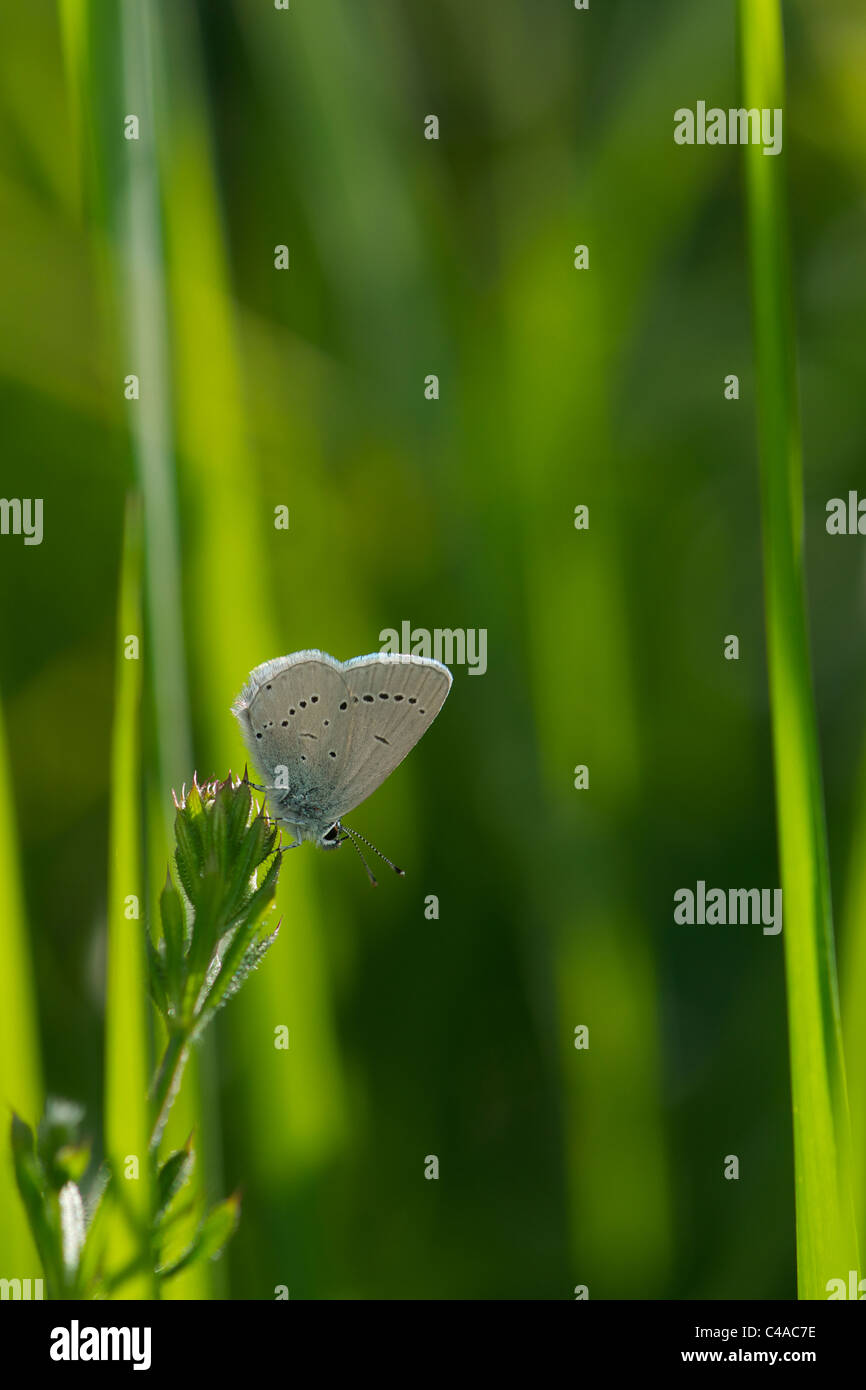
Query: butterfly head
x=337, y=834
x=332, y=838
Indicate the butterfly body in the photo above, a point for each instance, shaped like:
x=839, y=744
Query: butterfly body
x=324, y=734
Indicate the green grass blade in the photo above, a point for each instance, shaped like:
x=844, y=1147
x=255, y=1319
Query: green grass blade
x=110, y=61
x=137, y=220
x=853, y=984
x=127, y=1052
x=826, y=1236
x=235, y=628
x=20, y=1083
x=150, y=417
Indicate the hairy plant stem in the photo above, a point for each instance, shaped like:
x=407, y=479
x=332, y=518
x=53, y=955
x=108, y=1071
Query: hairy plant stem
x=167, y=1081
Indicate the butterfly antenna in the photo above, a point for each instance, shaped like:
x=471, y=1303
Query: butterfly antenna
x=357, y=834
x=371, y=876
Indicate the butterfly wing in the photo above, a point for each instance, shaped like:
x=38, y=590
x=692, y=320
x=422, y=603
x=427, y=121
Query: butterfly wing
x=394, y=700
x=295, y=717
x=330, y=732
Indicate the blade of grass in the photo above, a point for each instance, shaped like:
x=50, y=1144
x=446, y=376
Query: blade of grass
x=235, y=624
x=854, y=995
x=20, y=1081
x=146, y=308
x=826, y=1235
x=150, y=420
x=111, y=59
x=127, y=1053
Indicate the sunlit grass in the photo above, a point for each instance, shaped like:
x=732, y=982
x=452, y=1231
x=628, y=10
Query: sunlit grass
x=127, y=1050
x=826, y=1235
x=20, y=1081
x=853, y=989
x=112, y=59
x=295, y=1114
x=144, y=308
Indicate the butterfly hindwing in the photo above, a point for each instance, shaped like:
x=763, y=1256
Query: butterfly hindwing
x=295, y=715
x=395, y=699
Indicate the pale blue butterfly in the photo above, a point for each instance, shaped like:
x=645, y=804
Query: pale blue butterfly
x=324, y=734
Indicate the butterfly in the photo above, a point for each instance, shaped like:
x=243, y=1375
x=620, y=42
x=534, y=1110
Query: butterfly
x=324, y=734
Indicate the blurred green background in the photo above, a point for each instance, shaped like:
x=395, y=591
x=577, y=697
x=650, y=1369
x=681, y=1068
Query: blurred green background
x=305, y=388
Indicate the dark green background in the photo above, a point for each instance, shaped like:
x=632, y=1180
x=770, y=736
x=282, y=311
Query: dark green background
x=605, y=647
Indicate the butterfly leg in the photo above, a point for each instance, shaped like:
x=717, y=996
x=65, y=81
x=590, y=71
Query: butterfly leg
x=296, y=844
x=254, y=785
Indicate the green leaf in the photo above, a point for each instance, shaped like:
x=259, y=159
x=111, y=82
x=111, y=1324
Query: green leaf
x=207, y=928
x=157, y=978
x=23, y=1151
x=262, y=896
x=173, y=1176
x=41, y=1214
x=239, y=812
x=95, y=1194
x=166, y=1083
x=174, y=931
x=255, y=847
x=127, y=1024
x=215, y=1231
x=187, y=855
x=243, y=957
x=217, y=822
x=20, y=1086
x=97, y=1205
x=825, y=1222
